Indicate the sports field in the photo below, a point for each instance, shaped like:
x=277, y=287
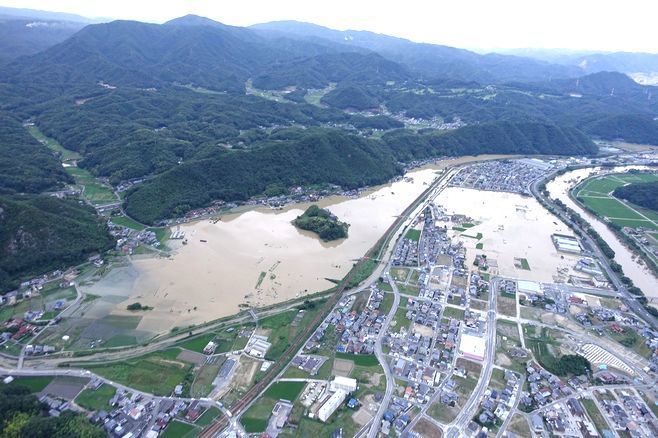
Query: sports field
x=596, y=194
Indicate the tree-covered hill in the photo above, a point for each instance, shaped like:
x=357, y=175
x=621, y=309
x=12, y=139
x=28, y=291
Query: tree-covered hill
x=22, y=415
x=330, y=156
x=26, y=166
x=314, y=156
x=322, y=222
x=642, y=194
x=127, y=134
x=41, y=233
x=486, y=138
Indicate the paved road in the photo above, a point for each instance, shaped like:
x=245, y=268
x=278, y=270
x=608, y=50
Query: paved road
x=440, y=184
x=90, y=375
x=390, y=381
x=459, y=424
x=628, y=298
x=517, y=399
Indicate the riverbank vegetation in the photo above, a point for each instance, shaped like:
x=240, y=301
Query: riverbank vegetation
x=607, y=251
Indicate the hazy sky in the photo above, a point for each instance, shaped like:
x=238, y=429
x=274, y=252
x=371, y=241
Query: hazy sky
x=609, y=25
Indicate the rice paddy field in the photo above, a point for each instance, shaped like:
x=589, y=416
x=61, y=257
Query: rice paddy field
x=596, y=194
x=96, y=192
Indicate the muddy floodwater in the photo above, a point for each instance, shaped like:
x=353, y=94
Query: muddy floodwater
x=510, y=227
x=258, y=257
x=633, y=267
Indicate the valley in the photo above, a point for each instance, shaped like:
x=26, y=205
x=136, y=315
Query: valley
x=286, y=230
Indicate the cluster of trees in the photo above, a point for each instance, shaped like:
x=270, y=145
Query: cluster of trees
x=42, y=233
x=642, y=194
x=322, y=222
x=139, y=306
x=569, y=364
x=22, y=415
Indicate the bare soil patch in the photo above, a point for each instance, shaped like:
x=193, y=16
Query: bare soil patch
x=503, y=360
x=342, y=367
x=426, y=428
x=361, y=417
x=65, y=387
x=192, y=357
x=507, y=306
x=423, y=330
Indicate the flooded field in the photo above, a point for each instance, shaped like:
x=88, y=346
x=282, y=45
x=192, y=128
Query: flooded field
x=258, y=257
x=633, y=267
x=512, y=227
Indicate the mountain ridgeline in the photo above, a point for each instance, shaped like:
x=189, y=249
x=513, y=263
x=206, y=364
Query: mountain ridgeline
x=331, y=156
x=201, y=111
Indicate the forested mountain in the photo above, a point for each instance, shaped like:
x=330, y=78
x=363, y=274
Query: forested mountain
x=625, y=62
x=642, y=194
x=314, y=156
x=168, y=104
x=429, y=60
x=319, y=71
x=126, y=134
x=41, y=233
x=331, y=156
x=19, y=37
x=26, y=166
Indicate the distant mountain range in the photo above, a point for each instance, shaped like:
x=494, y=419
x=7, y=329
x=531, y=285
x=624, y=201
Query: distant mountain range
x=198, y=111
x=591, y=62
x=26, y=31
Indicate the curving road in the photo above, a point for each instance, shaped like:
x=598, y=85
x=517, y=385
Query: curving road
x=627, y=297
x=381, y=357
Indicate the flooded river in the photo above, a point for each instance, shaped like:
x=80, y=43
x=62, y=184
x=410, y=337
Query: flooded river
x=633, y=268
x=258, y=257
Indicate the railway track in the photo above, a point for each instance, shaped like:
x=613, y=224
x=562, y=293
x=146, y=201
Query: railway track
x=219, y=424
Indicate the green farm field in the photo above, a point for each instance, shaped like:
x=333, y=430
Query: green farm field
x=156, y=373
x=596, y=194
x=94, y=191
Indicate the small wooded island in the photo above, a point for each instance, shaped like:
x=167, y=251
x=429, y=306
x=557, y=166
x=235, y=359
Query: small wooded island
x=321, y=222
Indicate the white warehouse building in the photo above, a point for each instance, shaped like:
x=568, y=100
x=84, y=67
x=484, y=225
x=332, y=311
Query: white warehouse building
x=330, y=406
x=343, y=383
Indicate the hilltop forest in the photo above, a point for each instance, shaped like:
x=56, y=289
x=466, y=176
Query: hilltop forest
x=195, y=111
